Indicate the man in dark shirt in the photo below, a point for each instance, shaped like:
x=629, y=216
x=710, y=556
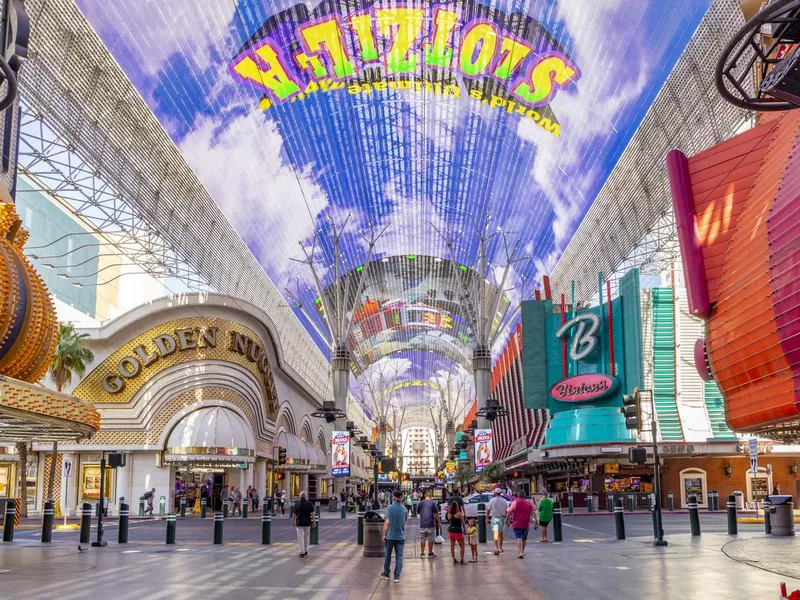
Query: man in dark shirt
x=428, y=512
x=303, y=519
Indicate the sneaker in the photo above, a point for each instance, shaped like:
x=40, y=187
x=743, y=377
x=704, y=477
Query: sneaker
x=385, y=576
x=473, y=560
x=397, y=580
x=431, y=555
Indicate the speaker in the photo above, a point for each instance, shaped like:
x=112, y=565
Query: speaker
x=116, y=459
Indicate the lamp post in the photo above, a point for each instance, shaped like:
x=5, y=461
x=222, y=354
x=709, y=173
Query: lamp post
x=100, y=542
x=659, y=541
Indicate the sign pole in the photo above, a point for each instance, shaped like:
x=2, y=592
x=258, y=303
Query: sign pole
x=753, y=445
x=659, y=541
x=67, y=475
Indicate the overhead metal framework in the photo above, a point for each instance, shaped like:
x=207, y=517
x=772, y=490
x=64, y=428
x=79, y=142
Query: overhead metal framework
x=111, y=156
x=630, y=222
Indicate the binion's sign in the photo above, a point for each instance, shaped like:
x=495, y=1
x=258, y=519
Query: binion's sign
x=582, y=388
x=507, y=61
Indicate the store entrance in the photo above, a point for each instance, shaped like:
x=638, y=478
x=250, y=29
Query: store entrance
x=199, y=482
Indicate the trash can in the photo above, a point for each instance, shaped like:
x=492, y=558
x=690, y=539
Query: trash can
x=333, y=504
x=782, y=520
x=373, y=535
x=739, y=500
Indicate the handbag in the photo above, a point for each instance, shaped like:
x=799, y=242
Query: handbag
x=438, y=540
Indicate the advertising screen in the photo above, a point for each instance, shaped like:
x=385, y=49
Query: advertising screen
x=340, y=454
x=450, y=471
x=484, y=451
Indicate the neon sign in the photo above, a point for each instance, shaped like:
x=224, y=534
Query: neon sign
x=582, y=388
x=583, y=342
x=506, y=63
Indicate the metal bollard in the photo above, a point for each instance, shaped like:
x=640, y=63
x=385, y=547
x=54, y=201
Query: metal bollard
x=162, y=506
x=224, y=511
x=291, y=509
x=694, y=516
x=652, y=499
x=767, y=519
x=570, y=504
x=733, y=526
x=124, y=519
x=610, y=502
x=183, y=506
x=343, y=510
x=670, y=502
x=711, y=501
x=203, y=505
x=244, y=509
x=141, y=507
x=619, y=520
x=557, y=532
x=86, y=523
x=413, y=509
x=631, y=503
x=590, y=499
x=8, y=524
x=266, y=525
x=360, y=533
x=218, y=523
x=481, y=523
x=172, y=525
x=315, y=530
x=48, y=514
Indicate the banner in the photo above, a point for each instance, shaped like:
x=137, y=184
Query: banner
x=484, y=450
x=340, y=454
x=450, y=472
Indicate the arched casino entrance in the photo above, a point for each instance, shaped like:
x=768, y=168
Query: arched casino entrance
x=210, y=448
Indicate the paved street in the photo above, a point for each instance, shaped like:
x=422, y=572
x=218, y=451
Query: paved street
x=590, y=560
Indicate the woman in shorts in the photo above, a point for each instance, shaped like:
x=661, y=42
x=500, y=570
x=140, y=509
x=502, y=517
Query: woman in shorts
x=519, y=516
x=455, y=530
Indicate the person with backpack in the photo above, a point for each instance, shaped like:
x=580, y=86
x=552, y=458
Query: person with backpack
x=148, y=497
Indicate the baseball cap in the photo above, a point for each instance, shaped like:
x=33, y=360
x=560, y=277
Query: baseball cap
x=497, y=491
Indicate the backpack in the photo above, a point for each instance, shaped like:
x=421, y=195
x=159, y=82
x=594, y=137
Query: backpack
x=147, y=495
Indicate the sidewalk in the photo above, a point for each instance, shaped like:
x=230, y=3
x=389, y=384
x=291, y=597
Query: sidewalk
x=779, y=555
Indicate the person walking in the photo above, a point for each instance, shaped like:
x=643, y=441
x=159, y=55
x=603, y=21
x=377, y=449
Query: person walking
x=283, y=502
x=496, y=512
x=304, y=518
x=519, y=516
x=545, y=514
x=428, y=512
x=149, y=497
x=394, y=536
x=456, y=528
x=223, y=496
x=237, y=502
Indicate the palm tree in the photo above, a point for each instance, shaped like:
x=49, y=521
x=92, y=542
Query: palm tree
x=70, y=359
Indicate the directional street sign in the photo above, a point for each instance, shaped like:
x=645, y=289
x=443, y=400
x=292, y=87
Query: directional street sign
x=753, y=447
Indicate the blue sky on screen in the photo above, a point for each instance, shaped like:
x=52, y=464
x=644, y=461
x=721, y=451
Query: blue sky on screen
x=397, y=156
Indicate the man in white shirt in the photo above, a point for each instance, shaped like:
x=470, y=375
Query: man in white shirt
x=497, y=515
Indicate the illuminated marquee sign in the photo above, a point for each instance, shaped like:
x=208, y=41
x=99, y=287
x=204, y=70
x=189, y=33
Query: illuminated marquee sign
x=582, y=388
x=484, y=449
x=507, y=61
x=340, y=453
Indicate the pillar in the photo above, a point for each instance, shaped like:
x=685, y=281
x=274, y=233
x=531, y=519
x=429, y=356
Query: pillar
x=260, y=476
x=482, y=372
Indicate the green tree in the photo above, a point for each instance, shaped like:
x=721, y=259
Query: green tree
x=494, y=472
x=70, y=359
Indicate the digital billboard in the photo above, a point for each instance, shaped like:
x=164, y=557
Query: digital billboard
x=484, y=449
x=340, y=453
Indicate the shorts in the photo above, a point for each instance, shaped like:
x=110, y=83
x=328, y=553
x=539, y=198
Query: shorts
x=498, y=523
x=473, y=540
x=544, y=523
x=455, y=536
x=521, y=534
x=426, y=534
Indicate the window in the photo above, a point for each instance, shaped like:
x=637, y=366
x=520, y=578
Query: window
x=759, y=485
x=693, y=483
x=294, y=489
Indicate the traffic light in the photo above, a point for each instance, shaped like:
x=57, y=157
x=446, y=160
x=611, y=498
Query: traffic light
x=631, y=409
x=637, y=456
x=281, y=455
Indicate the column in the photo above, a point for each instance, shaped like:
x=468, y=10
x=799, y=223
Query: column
x=260, y=476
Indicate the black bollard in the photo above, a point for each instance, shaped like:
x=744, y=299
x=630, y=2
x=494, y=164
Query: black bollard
x=694, y=516
x=218, y=523
x=710, y=501
x=570, y=504
x=767, y=519
x=670, y=502
x=654, y=514
x=360, y=532
x=631, y=503
x=203, y=504
x=557, y=532
x=47, y=521
x=225, y=510
x=733, y=526
x=183, y=506
x=343, y=510
x=8, y=524
x=86, y=523
x=619, y=520
x=141, y=507
x=266, y=525
x=481, y=523
x=244, y=509
x=610, y=502
x=124, y=519
x=172, y=525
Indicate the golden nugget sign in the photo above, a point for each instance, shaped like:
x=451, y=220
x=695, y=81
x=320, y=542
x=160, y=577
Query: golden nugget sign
x=179, y=340
x=507, y=61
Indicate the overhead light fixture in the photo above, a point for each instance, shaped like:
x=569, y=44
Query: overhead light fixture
x=793, y=469
x=728, y=470
x=63, y=276
x=48, y=265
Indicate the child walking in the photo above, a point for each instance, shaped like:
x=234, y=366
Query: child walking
x=472, y=537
